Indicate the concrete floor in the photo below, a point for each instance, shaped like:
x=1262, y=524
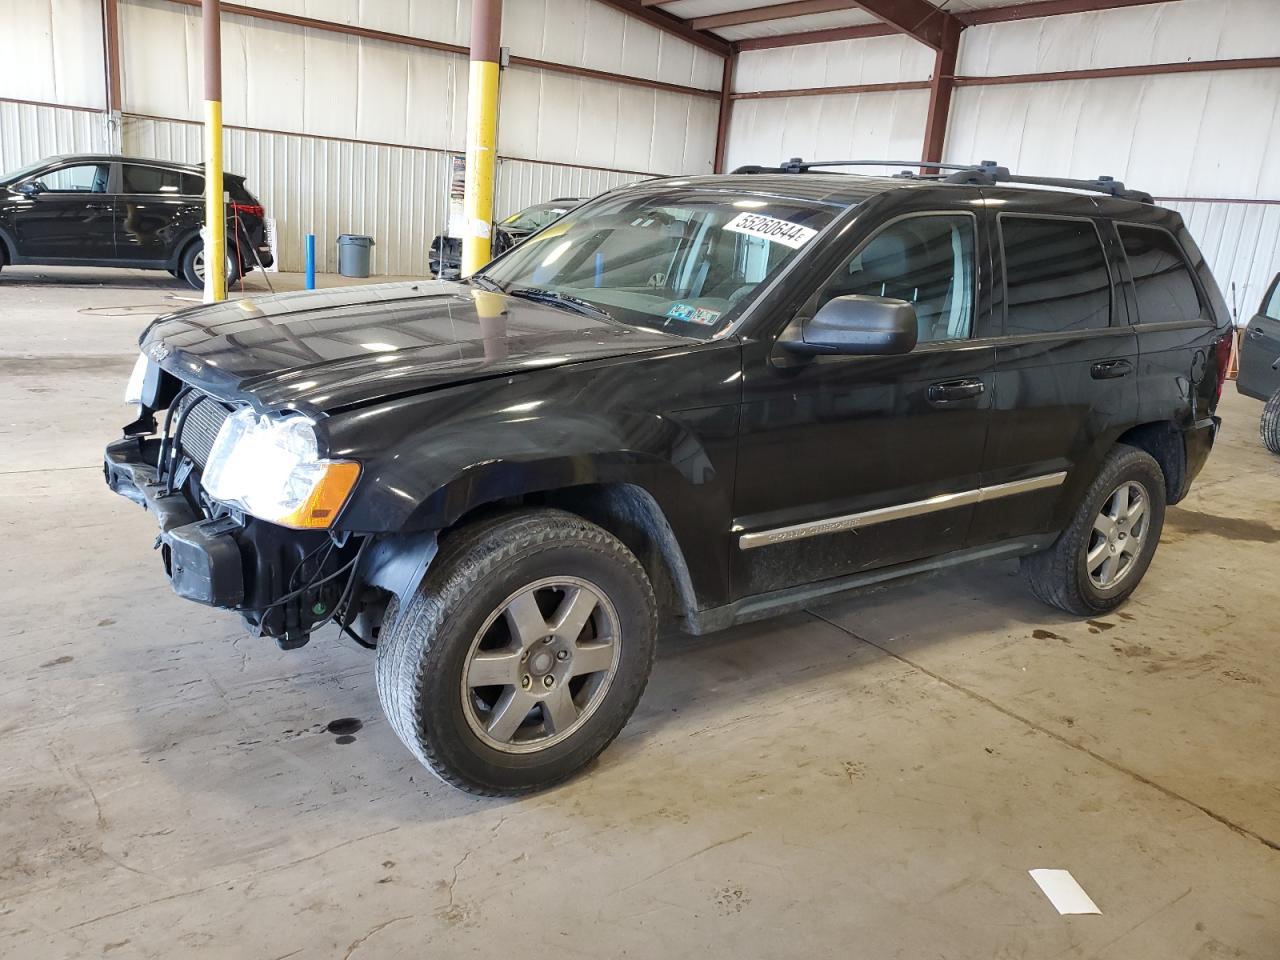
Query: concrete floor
x=872, y=779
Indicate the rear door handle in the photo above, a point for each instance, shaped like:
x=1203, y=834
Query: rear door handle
x=1255, y=333
x=1111, y=369
x=951, y=392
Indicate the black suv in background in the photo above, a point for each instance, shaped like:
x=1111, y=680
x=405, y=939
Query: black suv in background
x=693, y=401
x=99, y=210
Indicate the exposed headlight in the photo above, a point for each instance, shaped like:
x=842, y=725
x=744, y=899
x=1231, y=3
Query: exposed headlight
x=271, y=468
x=137, y=380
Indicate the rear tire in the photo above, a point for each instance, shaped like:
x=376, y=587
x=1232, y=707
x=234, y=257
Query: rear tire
x=193, y=267
x=556, y=602
x=1269, y=426
x=1099, y=560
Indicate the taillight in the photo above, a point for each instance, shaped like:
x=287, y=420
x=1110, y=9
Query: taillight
x=248, y=209
x=1225, y=344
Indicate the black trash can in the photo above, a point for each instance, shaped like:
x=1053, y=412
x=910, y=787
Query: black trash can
x=353, y=254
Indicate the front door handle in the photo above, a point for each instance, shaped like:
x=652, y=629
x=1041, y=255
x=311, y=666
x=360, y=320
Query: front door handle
x=1255, y=333
x=951, y=392
x=1111, y=369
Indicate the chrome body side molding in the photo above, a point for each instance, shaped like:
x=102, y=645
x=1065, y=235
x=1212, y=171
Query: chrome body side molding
x=917, y=508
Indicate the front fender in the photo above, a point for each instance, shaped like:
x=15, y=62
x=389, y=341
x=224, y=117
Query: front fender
x=430, y=459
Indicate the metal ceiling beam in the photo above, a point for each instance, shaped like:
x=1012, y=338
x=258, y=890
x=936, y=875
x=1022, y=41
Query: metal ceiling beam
x=860, y=32
x=1046, y=8
x=969, y=18
x=941, y=86
x=918, y=19
x=777, y=11
x=672, y=25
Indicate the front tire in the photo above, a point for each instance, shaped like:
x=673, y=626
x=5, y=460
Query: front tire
x=522, y=655
x=1269, y=426
x=1099, y=560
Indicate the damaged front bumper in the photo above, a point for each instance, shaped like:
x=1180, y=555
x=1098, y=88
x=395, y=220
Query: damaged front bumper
x=202, y=557
x=283, y=582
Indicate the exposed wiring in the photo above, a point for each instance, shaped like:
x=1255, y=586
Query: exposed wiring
x=316, y=583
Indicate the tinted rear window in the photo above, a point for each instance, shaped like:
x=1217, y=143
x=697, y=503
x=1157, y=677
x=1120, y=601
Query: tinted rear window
x=1161, y=278
x=1056, y=275
x=140, y=179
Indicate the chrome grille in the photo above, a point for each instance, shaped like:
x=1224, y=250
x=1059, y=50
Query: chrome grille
x=204, y=418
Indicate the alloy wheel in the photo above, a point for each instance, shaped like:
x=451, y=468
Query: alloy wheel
x=197, y=264
x=1119, y=531
x=541, y=664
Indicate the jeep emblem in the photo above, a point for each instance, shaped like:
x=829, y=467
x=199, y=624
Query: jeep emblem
x=158, y=351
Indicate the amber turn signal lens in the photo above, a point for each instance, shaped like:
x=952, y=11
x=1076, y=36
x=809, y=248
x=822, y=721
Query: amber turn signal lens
x=321, y=508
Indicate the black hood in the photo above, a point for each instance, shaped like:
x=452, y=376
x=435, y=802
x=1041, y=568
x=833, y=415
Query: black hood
x=325, y=350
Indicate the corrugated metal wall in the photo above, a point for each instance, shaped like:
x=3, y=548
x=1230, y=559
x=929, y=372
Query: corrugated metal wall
x=30, y=131
x=521, y=183
x=391, y=112
x=888, y=124
x=398, y=195
x=51, y=51
x=1210, y=134
x=323, y=186
x=1242, y=244
x=348, y=134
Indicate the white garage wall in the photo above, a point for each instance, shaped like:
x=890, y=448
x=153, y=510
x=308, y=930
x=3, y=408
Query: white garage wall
x=398, y=195
x=1154, y=33
x=30, y=131
x=1209, y=135
x=51, y=51
x=350, y=134
x=315, y=185
x=521, y=183
x=842, y=63
x=839, y=126
x=848, y=126
x=579, y=32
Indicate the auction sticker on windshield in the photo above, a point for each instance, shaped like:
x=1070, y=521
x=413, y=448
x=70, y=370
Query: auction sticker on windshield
x=771, y=228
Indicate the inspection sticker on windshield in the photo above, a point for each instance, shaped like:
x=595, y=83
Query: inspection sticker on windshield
x=691, y=314
x=771, y=228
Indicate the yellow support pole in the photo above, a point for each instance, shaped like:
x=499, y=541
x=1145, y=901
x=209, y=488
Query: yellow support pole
x=215, y=212
x=482, y=133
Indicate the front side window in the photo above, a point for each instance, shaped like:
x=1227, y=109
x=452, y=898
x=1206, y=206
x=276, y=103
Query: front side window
x=1161, y=279
x=674, y=259
x=143, y=179
x=1272, y=307
x=928, y=261
x=1056, y=276
x=85, y=178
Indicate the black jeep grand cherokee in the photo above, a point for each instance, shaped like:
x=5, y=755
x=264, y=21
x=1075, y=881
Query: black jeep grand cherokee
x=696, y=401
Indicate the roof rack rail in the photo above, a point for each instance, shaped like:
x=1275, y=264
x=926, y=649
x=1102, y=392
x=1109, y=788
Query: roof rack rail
x=986, y=173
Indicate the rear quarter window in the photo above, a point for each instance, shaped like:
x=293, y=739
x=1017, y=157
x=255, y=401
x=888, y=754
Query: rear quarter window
x=143, y=179
x=1162, y=281
x=1056, y=276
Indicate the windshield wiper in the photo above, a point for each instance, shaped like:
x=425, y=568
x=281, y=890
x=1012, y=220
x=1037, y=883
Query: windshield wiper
x=485, y=283
x=563, y=300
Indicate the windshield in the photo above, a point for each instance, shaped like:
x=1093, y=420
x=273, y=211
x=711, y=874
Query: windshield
x=533, y=218
x=678, y=260
x=22, y=172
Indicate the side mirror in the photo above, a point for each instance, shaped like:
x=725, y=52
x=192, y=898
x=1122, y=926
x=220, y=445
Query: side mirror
x=30, y=188
x=856, y=325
